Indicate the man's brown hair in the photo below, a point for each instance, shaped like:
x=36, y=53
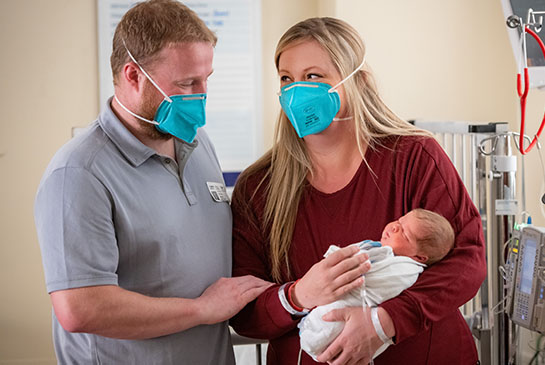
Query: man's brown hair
x=150, y=26
x=435, y=236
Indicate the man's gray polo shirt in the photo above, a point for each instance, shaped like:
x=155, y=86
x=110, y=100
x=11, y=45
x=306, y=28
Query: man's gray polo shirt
x=111, y=211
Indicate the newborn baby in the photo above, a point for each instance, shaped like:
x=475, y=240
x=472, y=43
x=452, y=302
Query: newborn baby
x=417, y=239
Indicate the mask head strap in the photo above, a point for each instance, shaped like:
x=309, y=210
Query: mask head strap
x=145, y=73
x=133, y=114
x=349, y=76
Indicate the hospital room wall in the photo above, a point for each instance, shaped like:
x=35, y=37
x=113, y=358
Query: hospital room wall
x=447, y=63
x=48, y=78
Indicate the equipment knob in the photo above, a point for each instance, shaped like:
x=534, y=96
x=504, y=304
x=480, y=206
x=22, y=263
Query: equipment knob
x=513, y=21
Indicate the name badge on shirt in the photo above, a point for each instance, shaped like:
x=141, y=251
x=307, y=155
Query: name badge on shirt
x=218, y=191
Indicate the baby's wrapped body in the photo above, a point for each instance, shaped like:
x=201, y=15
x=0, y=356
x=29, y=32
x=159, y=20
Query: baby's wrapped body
x=388, y=277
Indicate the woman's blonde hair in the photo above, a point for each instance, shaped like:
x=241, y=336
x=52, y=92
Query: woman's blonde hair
x=288, y=164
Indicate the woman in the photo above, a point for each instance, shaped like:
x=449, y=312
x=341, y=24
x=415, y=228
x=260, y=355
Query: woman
x=342, y=166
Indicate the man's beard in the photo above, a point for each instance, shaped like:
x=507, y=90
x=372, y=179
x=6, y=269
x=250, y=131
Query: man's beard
x=147, y=109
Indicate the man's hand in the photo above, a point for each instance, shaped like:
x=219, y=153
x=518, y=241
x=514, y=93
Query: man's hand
x=227, y=296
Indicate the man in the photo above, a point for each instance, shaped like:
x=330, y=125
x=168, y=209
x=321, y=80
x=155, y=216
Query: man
x=132, y=219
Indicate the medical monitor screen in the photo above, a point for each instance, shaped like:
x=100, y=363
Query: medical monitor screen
x=528, y=261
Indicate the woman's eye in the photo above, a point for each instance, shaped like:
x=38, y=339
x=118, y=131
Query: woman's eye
x=284, y=78
x=313, y=76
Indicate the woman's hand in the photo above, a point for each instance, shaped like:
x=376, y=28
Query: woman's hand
x=358, y=341
x=331, y=278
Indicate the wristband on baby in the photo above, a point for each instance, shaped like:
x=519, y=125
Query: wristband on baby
x=378, y=326
x=289, y=307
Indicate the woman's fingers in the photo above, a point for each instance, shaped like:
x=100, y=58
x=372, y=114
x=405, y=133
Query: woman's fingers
x=347, y=276
x=340, y=255
x=356, y=262
x=343, y=289
x=332, y=277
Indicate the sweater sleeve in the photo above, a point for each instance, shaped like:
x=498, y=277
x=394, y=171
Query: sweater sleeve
x=265, y=317
x=430, y=181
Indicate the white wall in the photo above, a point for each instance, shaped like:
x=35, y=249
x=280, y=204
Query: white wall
x=437, y=60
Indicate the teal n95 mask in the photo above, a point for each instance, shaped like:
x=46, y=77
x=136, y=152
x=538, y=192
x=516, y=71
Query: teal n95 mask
x=312, y=106
x=177, y=115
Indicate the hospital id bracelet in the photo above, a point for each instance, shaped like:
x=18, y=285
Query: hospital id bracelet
x=290, y=298
x=378, y=326
x=286, y=304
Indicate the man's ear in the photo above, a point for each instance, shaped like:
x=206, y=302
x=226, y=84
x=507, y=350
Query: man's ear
x=131, y=74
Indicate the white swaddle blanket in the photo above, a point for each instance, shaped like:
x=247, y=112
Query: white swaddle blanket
x=388, y=277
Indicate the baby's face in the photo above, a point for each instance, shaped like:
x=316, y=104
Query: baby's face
x=400, y=235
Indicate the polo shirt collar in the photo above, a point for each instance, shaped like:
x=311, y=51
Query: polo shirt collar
x=135, y=151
